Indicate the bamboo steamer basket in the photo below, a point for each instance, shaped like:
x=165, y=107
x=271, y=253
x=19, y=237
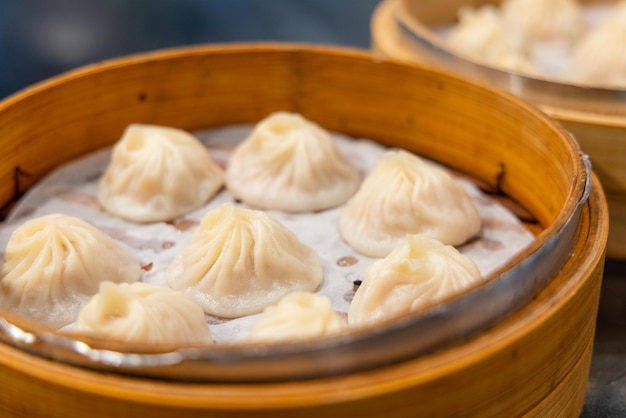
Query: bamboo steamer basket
x=533, y=361
x=402, y=29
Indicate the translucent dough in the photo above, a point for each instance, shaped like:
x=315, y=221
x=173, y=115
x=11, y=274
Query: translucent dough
x=157, y=174
x=600, y=56
x=143, y=313
x=298, y=315
x=406, y=195
x=420, y=272
x=54, y=264
x=529, y=21
x=289, y=163
x=239, y=261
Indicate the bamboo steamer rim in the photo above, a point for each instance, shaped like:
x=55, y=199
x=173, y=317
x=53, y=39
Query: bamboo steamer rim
x=577, y=195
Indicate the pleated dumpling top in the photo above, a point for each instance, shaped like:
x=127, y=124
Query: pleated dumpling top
x=290, y=163
x=143, y=313
x=404, y=195
x=239, y=261
x=54, y=264
x=156, y=174
x=420, y=272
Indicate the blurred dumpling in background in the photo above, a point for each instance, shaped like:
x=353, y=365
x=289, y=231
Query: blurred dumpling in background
x=404, y=195
x=481, y=36
x=239, y=261
x=529, y=21
x=143, y=313
x=479, y=32
x=600, y=56
x=418, y=273
x=292, y=164
x=54, y=264
x=298, y=315
x=156, y=174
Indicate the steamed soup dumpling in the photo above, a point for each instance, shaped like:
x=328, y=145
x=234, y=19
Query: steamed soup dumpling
x=481, y=35
x=54, y=264
x=406, y=195
x=143, y=313
x=239, y=261
x=298, y=315
x=479, y=32
x=600, y=56
x=555, y=21
x=157, y=174
x=418, y=273
x=289, y=163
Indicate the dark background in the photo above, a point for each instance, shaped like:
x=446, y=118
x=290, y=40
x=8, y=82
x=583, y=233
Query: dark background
x=42, y=38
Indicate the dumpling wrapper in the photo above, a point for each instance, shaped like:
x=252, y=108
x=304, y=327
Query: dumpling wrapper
x=416, y=274
x=404, y=195
x=600, y=56
x=239, y=261
x=554, y=21
x=481, y=35
x=479, y=32
x=54, y=264
x=157, y=174
x=289, y=163
x=296, y=316
x=143, y=313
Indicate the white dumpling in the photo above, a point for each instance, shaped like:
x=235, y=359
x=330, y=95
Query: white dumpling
x=157, y=174
x=420, y=272
x=289, y=163
x=239, y=261
x=600, y=56
x=54, y=264
x=481, y=36
x=479, y=32
x=556, y=21
x=406, y=195
x=143, y=313
x=298, y=315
